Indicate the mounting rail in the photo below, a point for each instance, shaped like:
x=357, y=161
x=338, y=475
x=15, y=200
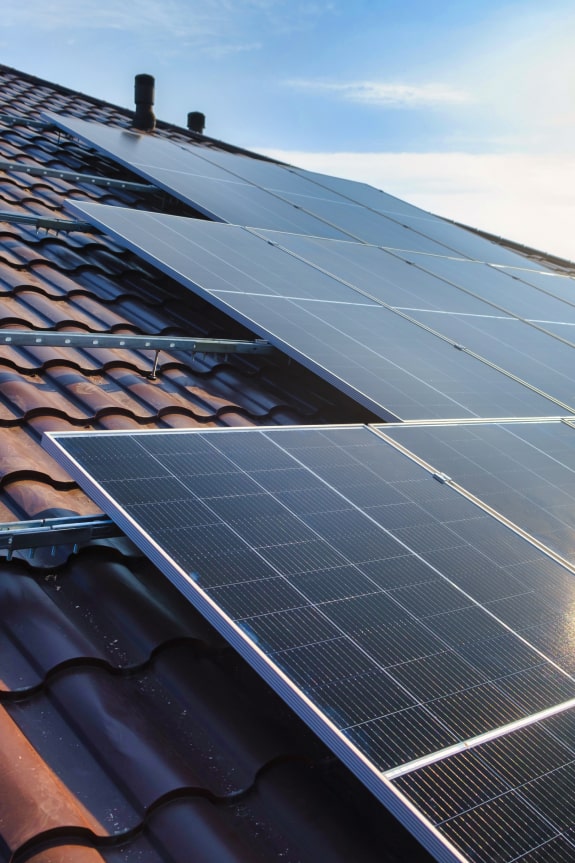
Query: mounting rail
x=75, y=177
x=67, y=339
x=54, y=532
x=13, y=119
x=46, y=223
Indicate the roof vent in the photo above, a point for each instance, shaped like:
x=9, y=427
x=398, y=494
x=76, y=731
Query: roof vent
x=196, y=121
x=144, y=117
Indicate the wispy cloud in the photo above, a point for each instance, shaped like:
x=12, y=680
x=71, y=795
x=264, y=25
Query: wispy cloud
x=202, y=20
x=387, y=94
x=162, y=16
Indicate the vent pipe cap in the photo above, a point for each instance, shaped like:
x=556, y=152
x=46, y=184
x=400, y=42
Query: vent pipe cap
x=144, y=118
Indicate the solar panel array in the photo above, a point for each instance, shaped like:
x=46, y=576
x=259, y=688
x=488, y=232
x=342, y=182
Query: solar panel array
x=232, y=188
x=398, y=618
x=408, y=589
x=340, y=322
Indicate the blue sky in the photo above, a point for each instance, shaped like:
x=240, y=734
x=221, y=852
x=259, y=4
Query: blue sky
x=465, y=108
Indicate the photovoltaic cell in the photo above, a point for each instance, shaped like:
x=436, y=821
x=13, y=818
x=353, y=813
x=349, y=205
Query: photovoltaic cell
x=382, y=275
x=232, y=188
x=185, y=172
x=381, y=637
x=392, y=366
x=526, y=294
x=471, y=245
x=511, y=344
x=364, y=225
x=473, y=797
x=524, y=471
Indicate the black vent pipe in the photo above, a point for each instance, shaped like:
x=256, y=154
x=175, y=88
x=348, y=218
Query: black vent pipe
x=196, y=121
x=144, y=118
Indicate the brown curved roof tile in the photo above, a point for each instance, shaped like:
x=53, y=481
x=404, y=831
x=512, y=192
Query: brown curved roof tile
x=175, y=749
x=21, y=454
x=25, y=395
x=30, y=498
x=34, y=789
x=63, y=853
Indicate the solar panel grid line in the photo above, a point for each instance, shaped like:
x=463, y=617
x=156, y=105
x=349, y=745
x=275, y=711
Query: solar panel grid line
x=558, y=558
x=397, y=217
x=511, y=376
x=354, y=287
x=534, y=766
x=412, y=551
x=344, y=375
x=442, y=312
x=276, y=194
x=454, y=422
x=83, y=130
x=523, y=470
x=522, y=791
x=565, y=304
x=404, y=313
x=325, y=184
x=340, y=451
x=266, y=187
x=105, y=139
x=565, y=279
x=304, y=706
x=536, y=324
x=165, y=178
x=473, y=742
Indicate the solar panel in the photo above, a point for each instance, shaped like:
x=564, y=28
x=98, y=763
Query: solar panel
x=504, y=339
x=514, y=345
x=190, y=177
x=471, y=245
x=232, y=188
x=392, y=613
x=382, y=274
x=509, y=289
x=390, y=365
x=525, y=471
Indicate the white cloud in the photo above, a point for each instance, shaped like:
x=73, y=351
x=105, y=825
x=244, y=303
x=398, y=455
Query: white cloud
x=387, y=94
x=526, y=198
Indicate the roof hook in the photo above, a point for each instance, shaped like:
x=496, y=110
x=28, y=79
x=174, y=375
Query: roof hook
x=154, y=373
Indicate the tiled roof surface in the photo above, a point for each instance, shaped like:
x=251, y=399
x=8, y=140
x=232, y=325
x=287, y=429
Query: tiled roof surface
x=128, y=730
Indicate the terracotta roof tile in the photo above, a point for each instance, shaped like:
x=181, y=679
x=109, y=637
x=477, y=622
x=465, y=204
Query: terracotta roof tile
x=128, y=731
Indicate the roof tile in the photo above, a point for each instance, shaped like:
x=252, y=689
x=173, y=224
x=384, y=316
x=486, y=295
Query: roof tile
x=128, y=731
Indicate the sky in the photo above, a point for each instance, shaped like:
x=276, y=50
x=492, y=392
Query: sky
x=466, y=109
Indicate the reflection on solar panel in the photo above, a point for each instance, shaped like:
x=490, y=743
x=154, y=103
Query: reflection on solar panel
x=399, y=619
x=232, y=188
x=525, y=471
x=340, y=330
x=468, y=309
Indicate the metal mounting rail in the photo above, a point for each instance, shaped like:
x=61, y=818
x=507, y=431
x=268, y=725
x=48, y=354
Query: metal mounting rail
x=47, y=223
x=155, y=343
x=75, y=177
x=54, y=532
x=13, y=119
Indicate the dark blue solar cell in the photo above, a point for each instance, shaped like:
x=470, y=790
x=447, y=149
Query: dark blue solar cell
x=523, y=470
x=389, y=654
x=400, y=737
x=499, y=830
x=452, y=786
x=389, y=364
